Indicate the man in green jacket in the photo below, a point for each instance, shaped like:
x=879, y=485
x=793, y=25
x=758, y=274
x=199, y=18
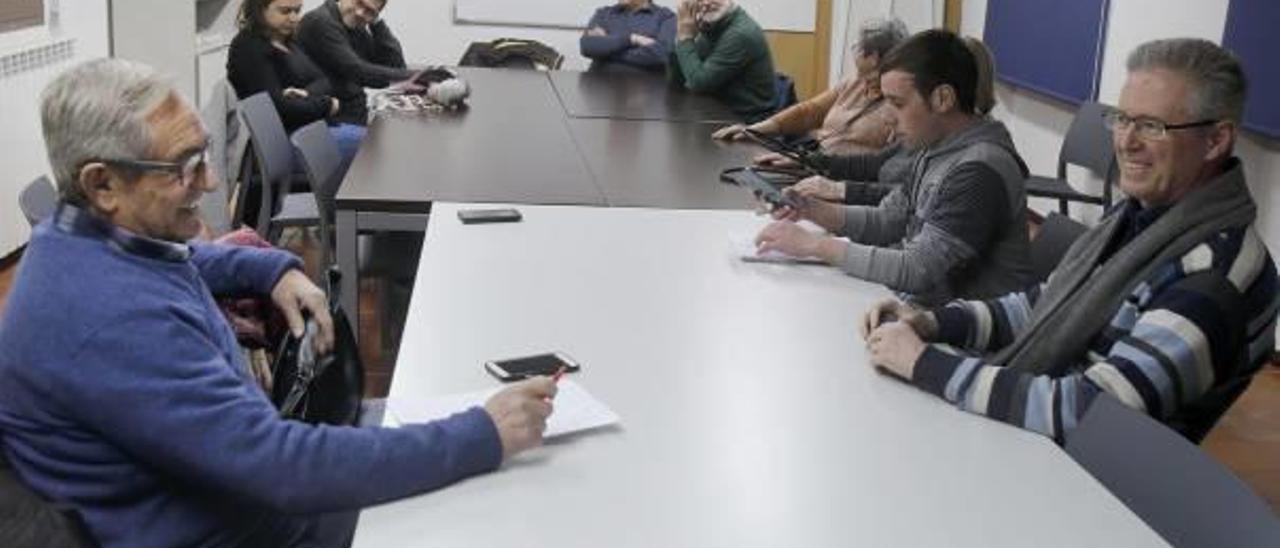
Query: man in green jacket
x=720, y=50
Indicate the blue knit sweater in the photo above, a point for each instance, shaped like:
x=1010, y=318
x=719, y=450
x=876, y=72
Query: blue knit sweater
x=122, y=393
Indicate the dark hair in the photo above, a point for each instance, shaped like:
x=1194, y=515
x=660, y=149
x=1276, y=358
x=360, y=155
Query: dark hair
x=934, y=58
x=250, y=17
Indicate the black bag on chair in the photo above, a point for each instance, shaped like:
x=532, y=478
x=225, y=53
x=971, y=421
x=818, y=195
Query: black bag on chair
x=512, y=53
x=325, y=389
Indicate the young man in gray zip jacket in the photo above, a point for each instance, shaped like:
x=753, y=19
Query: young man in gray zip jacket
x=957, y=227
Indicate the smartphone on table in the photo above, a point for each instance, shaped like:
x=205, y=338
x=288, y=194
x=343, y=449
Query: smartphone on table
x=766, y=190
x=480, y=216
x=537, y=365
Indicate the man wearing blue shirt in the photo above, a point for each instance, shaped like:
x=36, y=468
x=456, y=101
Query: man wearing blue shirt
x=630, y=36
x=123, y=393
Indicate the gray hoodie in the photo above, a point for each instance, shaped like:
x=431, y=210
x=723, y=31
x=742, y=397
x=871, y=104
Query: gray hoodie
x=957, y=227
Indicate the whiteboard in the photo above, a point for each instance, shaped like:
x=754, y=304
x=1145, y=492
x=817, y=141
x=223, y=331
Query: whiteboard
x=784, y=15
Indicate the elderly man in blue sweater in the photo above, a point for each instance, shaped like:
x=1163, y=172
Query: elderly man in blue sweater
x=122, y=389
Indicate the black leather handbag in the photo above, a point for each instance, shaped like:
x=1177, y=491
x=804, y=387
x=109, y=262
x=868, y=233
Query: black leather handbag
x=320, y=389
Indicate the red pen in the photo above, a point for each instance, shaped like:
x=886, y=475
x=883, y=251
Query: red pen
x=556, y=377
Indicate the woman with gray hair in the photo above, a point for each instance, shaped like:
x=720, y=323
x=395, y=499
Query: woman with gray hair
x=849, y=118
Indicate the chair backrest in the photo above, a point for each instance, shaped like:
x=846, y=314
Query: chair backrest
x=322, y=162
x=38, y=200
x=1056, y=235
x=227, y=143
x=272, y=151
x=1088, y=144
x=784, y=92
x=1178, y=490
x=29, y=521
x=512, y=53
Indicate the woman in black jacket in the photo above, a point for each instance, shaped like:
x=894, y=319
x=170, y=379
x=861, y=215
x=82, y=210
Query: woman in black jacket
x=264, y=57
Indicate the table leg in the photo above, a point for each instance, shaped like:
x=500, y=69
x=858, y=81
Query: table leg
x=345, y=230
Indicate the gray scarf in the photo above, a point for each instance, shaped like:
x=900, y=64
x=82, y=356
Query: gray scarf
x=1083, y=294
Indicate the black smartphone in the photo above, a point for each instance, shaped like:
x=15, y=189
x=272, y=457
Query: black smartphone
x=514, y=369
x=477, y=216
x=765, y=189
x=774, y=144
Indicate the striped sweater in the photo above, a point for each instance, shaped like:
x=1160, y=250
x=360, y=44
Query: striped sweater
x=1181, y=348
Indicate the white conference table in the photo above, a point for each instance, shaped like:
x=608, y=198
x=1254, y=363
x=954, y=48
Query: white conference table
x=749, y=415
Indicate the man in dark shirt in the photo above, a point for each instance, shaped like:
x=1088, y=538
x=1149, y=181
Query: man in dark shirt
x=632, y=35
x=355, y=49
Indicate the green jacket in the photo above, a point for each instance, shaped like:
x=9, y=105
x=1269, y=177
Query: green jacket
x=730, y=60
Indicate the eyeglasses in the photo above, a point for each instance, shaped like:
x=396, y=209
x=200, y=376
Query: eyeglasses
x=185, y=172
x=1149, y=129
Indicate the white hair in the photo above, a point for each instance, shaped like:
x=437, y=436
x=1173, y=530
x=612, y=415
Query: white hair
x=95, y=111
x=1218, y=84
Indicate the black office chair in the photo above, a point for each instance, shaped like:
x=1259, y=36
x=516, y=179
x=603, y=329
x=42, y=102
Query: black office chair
x=38, y=200
x=390, y=255
x=1179, y=491
x=784, y=89
x=1056, y=235
x=279, y=208
x=1087, y=144
x=322, y=161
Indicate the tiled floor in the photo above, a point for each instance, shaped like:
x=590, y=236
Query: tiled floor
x=1247, y=439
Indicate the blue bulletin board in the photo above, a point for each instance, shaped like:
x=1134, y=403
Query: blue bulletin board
x=1251, y=33
x=1053, y=47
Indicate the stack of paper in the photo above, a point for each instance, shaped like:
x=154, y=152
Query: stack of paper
x=744, y=247
x=575, y=409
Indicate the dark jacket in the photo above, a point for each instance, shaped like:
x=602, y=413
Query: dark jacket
x=729, y=59
x=255, y=66
x=614, y=52
x=955, y=228
x=353, y=59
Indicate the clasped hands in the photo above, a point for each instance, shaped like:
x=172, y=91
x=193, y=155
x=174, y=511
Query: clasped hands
x=895, y=333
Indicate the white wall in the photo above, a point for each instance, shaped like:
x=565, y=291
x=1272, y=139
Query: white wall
x=1038, y=124
x=169, y=47
x=849, y=15
x=21, y=147
x=429, y=36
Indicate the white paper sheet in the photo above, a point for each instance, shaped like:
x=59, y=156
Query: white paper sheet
x=574, y=409
x=743, y=246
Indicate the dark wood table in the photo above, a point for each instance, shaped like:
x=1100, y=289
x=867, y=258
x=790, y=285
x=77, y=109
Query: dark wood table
x=509, y=145
x=645, y=144
x=634, y=96
x=671, y=165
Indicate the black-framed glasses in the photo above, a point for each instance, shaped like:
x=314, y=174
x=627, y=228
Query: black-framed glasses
x=185, y=172
x=1147, y=128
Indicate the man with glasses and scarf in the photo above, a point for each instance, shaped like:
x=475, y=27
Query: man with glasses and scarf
x=1168, y=305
